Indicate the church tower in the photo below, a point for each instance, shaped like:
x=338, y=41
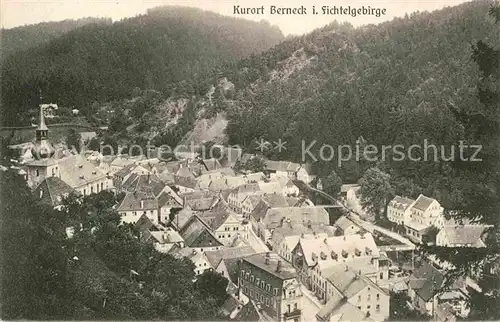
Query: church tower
x=44, y=164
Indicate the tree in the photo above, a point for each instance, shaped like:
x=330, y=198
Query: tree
x=212, y=284
x=375, y=191
x=331, y=184
x=73, y=140
x=254, y=164
x=34, y=258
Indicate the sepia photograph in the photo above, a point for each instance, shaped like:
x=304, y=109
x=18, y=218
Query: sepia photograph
x=237, y=160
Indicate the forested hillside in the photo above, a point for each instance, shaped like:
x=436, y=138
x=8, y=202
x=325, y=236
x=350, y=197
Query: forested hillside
x=99, y=63
x=24, y=37
x=391, y=83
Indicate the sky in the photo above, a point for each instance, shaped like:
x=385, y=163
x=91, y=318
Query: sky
x=15, y=13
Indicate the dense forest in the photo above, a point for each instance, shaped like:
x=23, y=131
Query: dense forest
x=103, y=272
x=105, y=62
x=24, y=37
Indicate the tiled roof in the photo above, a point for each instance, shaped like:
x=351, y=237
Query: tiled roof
x=315, y=215
x=145, y=183
x=52, y=189
x=168, y=236
x=167, y=200
x=293, y=232
x=259, y=260
x=76, y=171
x=132, y=202
x=124, y=171
x=433, y=280
x=423, y=203
x=215, y=257
x=401, y=202
x=465, y=234
x=341, y=246
x=344, y=223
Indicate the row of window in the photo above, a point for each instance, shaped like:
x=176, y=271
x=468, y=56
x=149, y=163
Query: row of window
x=260, y=283
x=368, y=307
x=229, y=228
x=369, y=297
x=269, y=302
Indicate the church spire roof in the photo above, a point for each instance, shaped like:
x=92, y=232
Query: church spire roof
x=41, y=123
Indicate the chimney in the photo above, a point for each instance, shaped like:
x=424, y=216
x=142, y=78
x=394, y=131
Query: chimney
x=267, y=258
x=346, y=268
x=278, y=267
x=194, y=251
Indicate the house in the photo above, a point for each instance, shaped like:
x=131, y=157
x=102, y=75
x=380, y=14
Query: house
x=164, y=240
x=235, y=310
x=236, y=197
x=461, y=236
x=199, y=200
x=346, y=227
x=425, y=289
x=282, y=168
x=254, y=177
x=136, y=204
x=147, y=194
x=306, y=173
x=284, y=239
x=225, y=261
x=52, y=190
x=264, y=219
x=223, y=223
x=398, y=209
x=329, y=251
x=198, y=236
x=287, y=187
x=272, y=283
x=199, y=260
x=126, y=173
x=269, y=200
x=225, y=183
x=422, y=215
x=353, y=297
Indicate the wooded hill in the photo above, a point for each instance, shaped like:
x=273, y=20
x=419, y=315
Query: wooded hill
x=104, y=62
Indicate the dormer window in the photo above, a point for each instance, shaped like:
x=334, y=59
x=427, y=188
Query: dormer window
x=80, y=166
x=82, y=176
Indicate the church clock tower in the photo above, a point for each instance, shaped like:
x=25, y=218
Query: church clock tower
x=44, y=164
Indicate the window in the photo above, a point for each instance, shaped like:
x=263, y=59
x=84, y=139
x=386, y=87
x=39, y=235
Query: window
x=295, y=306
x=275, y=291
x=257, y=281
x=267, y=301
x=289, y=308
x=242, y=273
x=382, y=276
x=377, y=308
x=263, y=284
x=252, y=278
x=369, y=297
x=368, y=307
x=359, y=298
x=378, y=297
x=204, y=264
x=37, y=172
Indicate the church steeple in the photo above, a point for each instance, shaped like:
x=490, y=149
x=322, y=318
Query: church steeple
x=42, y=148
